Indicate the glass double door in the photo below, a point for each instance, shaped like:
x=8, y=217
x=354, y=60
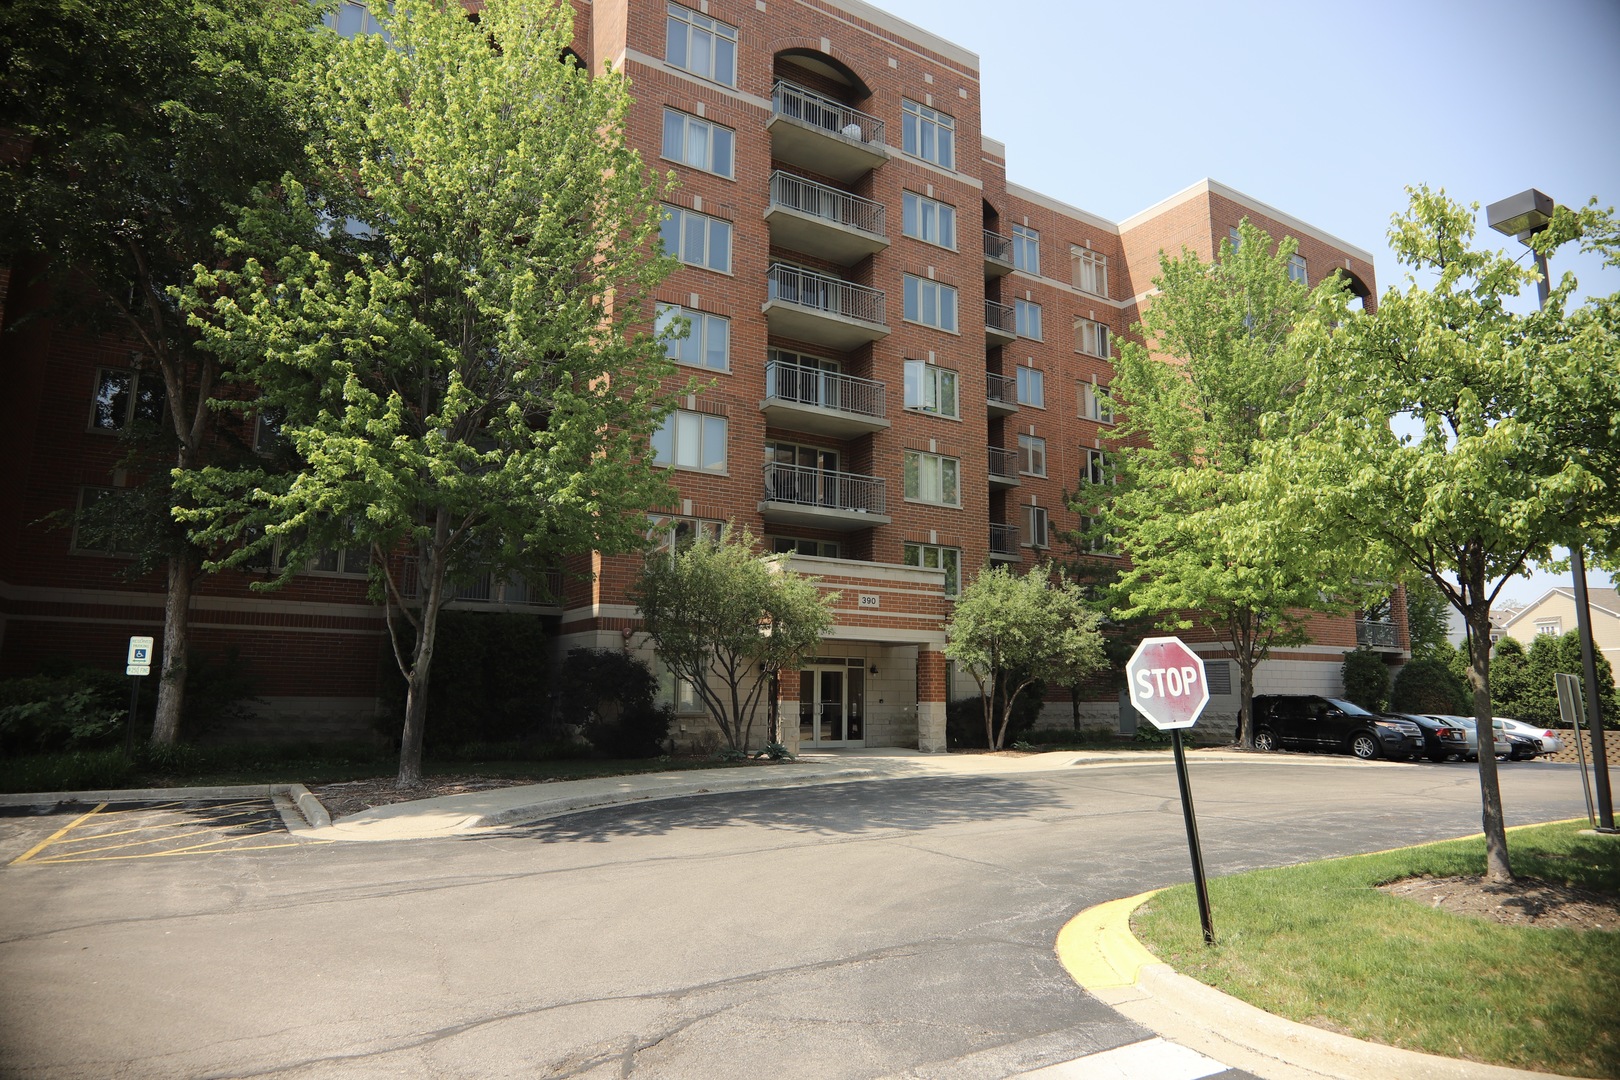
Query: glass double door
x=832, y=705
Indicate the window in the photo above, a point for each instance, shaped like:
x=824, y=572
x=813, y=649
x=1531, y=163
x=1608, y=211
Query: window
x=1032, y=527
x=1094, y=536
x=352, y=20
x=930, y=389
x=926, y=219
x=696, y=43
x=1031, y=455
x=678, y=693
x=1553, y=627
x=691, y=440
x=1095, y=467
x=124, y=396
x=1027, y=319
x=808, y=380
x=267, y=437
x=707, y=342
x=932, y=478
x=1032, y=387
x=793, y=545
x=928, y=134
x=1236, y=238
x=1026, y=249
x=666, y=533
x=350, y=562
x=1092, y=338
x=1090, y=271
x=698, y=143
x=697, y=239
x=1296, y=268
x=934, y=557
x=1094, y=403
x=930, y=303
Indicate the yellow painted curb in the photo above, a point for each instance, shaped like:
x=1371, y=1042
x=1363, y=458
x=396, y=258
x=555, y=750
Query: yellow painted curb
x=1097, y=948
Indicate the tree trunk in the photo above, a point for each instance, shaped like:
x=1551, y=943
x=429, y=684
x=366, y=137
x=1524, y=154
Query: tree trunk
x=1497, y=868
x=176, y=639
x=416, y=680
x=1245, y=728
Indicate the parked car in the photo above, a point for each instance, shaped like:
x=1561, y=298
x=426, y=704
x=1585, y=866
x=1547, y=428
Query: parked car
x=1441, y=740
x=1309, y=722
x=1522, y=747
x=1501, y=744
x=1550, y=741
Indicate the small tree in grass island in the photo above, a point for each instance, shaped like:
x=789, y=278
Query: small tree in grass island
x=441, y=314
x=1008, y=631
x=728, y=620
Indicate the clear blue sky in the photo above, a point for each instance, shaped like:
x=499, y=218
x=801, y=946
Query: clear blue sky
x=1326, y=111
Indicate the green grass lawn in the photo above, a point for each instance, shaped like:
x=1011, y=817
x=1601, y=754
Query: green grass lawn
x=1320, y=944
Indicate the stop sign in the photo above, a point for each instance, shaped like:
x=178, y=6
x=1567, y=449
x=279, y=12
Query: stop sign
x=1167, y=684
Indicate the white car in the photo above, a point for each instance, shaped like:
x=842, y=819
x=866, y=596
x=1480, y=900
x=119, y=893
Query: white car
x=1502, y=747
x=1549, y=740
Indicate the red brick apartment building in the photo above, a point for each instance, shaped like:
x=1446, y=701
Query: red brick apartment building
x=909, y=358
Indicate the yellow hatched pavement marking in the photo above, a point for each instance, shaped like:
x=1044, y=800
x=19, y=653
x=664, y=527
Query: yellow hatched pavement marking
x=210, y=848
x=63, y=831
x=168, y=825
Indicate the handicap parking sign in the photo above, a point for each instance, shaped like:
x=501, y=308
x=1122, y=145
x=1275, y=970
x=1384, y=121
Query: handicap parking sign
x=140, y=656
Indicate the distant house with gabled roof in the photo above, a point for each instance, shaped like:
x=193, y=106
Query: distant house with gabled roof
x=1554, y=613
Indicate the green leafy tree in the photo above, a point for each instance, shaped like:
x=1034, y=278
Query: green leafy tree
x=1428, y=618
x=1219, y=360
x=1010, y=632
x=1491, y=481
x=728, y=620
x=137, y=129
x=1529, y=691
x=1366, y=678
x=1429, y=686
x=442, y=314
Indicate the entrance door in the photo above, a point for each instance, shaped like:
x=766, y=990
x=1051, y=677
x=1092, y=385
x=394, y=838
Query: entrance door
x=830, y=706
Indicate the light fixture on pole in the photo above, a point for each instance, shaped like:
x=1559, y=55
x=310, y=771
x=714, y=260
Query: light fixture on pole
x=1522, y=216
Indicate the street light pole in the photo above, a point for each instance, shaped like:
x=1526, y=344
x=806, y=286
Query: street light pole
x=1523, y=215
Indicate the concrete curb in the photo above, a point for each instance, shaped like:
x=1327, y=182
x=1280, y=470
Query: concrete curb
x=1105, y=959
x=116, y=795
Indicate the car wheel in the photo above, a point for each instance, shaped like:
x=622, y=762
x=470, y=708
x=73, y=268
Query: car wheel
x=1438, y=756
x=1364, y=744
x=1265, y=740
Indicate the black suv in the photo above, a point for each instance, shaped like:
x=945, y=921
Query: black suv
x=1308, y=722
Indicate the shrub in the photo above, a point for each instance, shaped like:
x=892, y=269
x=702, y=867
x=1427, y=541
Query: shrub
x=1429, y=686
x=74, y=710
x=964, y=718
x=80, y=770
x=611, y=696
x=1366, y=679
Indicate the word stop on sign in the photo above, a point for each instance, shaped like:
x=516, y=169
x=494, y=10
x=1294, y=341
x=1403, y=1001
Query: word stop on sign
x=1167, y=682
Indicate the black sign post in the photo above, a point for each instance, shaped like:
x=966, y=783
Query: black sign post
x=1197, y=853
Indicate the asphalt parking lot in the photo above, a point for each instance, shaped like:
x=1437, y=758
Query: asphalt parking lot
x=117, y=832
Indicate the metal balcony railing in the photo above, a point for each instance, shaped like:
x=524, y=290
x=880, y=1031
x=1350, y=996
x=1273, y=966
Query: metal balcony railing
x=1376, y=634
x=827, y=389
x=823, y=112
x=1003, y=462
x=1000, y=317
x=829, y=203
x=486, y=589
x=997, y=247
x=806, y=288
x=804, y=485
x=1003, y=539
x=1001, y=389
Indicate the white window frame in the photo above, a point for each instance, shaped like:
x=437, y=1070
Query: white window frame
x=360, y=19
x=680, y=222
x=1034, y=527
x=1550, y=627
x=1095, y=403
x=1027, y=319
x=1095, y=468
x=705, y=329
x=928, y=220
x=924, y=478
x=923, y=293
x=1031, y=455
x=927, y=388
x=132, y=404
x=1093, y=338
x=928, y=134
x=665, y=532
x=1026, y=249
x=698, y=152
x=720, y=45
x=1090, y=271
x=686, y=434
x=942, y=554
x=1297, y=270
x=1031, y=387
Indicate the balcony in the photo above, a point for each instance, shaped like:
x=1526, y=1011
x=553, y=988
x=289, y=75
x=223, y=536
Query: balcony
x=1001, y=394
x=1000, y=322
x=807, y=497
x=1003, y=467
x=822, y=402
x=997, y=255
x=486, y=588
x=1004, y=543
x=1377, y=635
x=823, y=221
x=824, y=136
x=807, y=306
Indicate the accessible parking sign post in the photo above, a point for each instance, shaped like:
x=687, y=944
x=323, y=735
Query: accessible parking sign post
x=1167, y=685
x=138, y=664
